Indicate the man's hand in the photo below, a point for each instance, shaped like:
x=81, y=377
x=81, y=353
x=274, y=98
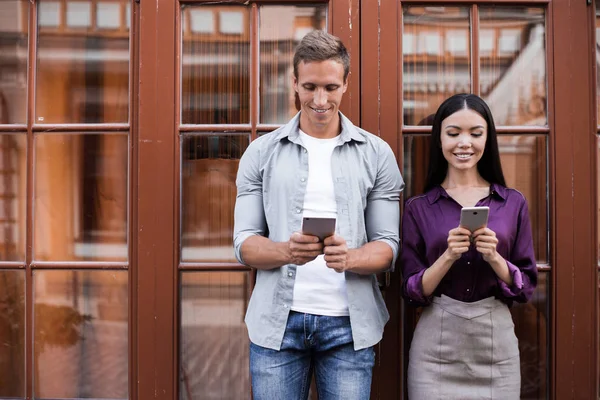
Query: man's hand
x=304, y=248
x=336, y=253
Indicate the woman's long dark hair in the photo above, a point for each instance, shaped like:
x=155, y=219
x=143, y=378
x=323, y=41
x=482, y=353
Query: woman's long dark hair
x=489, y=166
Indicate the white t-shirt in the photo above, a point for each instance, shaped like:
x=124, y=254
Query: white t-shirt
x=319, y=290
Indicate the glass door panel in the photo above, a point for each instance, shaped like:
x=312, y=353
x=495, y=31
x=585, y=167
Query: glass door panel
x=509, y=70
x=81, y=334
x=13, y=186
x=215, y=65
x=87, y=222
x=12, y=333
x=436, y=45
x=219, y=81
x=208, y=189
x=74, y=180
x=213, y=337
x=532, y=329
x=82, y=68
x=513, y=64
x=280, y=30
x=14, y=38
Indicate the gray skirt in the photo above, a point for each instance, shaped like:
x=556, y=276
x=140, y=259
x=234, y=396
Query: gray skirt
x=464, y=351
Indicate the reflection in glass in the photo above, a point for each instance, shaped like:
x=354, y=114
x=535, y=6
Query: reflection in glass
x=78, y=14
x=435, y=47
x=12, y=334
x=108, y=15
x=209, y=167
x=81, y=334
x=214, y=340
x=281, y=29
x=13, y=61
x=216, y=65
x=13, y=186
x=524, y=165
x=80, y=198
x=513, y=64
x=82, y=74
x=49, y=14
x=531, y=326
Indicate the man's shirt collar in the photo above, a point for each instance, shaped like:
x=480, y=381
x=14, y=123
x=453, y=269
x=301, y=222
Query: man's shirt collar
x=291, y=130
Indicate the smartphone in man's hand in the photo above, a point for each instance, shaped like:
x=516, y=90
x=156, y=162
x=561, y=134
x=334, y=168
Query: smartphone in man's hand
x=319, y=227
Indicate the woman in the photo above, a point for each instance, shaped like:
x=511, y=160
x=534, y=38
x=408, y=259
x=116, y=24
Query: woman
x=464, y=346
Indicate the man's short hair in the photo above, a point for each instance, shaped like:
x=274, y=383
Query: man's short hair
x=321, y=46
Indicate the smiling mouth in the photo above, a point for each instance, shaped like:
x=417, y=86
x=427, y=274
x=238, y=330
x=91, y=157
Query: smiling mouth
x=320, y=110
x=463, y=156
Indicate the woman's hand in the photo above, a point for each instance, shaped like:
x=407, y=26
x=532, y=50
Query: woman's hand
x=485, y=241
x=458, y=243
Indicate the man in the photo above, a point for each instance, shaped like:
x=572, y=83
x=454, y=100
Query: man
x=316, y=305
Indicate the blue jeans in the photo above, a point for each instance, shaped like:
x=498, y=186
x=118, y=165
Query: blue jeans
x=312, y=343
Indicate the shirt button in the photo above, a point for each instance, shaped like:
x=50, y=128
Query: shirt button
x=298, y=210
x=468, y=290
x=468, y=262
x=306, y=151
x=302, y=179
x=285, y=306
x=290, y=274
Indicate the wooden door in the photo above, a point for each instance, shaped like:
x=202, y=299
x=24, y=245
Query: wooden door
x=417, y=53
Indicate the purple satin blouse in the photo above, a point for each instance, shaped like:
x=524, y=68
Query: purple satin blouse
x=426, y=222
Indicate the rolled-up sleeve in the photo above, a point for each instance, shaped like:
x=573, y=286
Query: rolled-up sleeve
x=249, y=215
x=521, y=262
x=412, y=263
x=382, y=215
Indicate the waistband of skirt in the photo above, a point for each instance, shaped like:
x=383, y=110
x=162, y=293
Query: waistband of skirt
x=467, y=310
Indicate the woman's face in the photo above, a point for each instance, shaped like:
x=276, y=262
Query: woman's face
x=463, y=138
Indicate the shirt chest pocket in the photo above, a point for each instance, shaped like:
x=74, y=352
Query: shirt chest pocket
x=353, y=180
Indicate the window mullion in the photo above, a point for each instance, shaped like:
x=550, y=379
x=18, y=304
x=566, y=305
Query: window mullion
x=29, y=313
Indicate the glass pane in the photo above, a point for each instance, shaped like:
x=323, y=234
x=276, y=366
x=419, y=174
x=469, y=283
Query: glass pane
x=532, y=324
x=79, y=14
x=80, y=200
x=435, y=48
x=525, y=169
x=215, y=65
x=12, y=334
x=524, y=165
x=81, y=334
x=108, y=15
x=14, y=33
x=82, y=75
x=214, y=340
x=209, y=167
x=49, y=14
x=13, y=188
x=513, y=64
x=281, y=29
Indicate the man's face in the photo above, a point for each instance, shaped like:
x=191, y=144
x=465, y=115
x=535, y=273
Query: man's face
x=320, y=86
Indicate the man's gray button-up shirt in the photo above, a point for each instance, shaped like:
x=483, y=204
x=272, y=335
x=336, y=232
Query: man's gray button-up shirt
x=270, y=199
